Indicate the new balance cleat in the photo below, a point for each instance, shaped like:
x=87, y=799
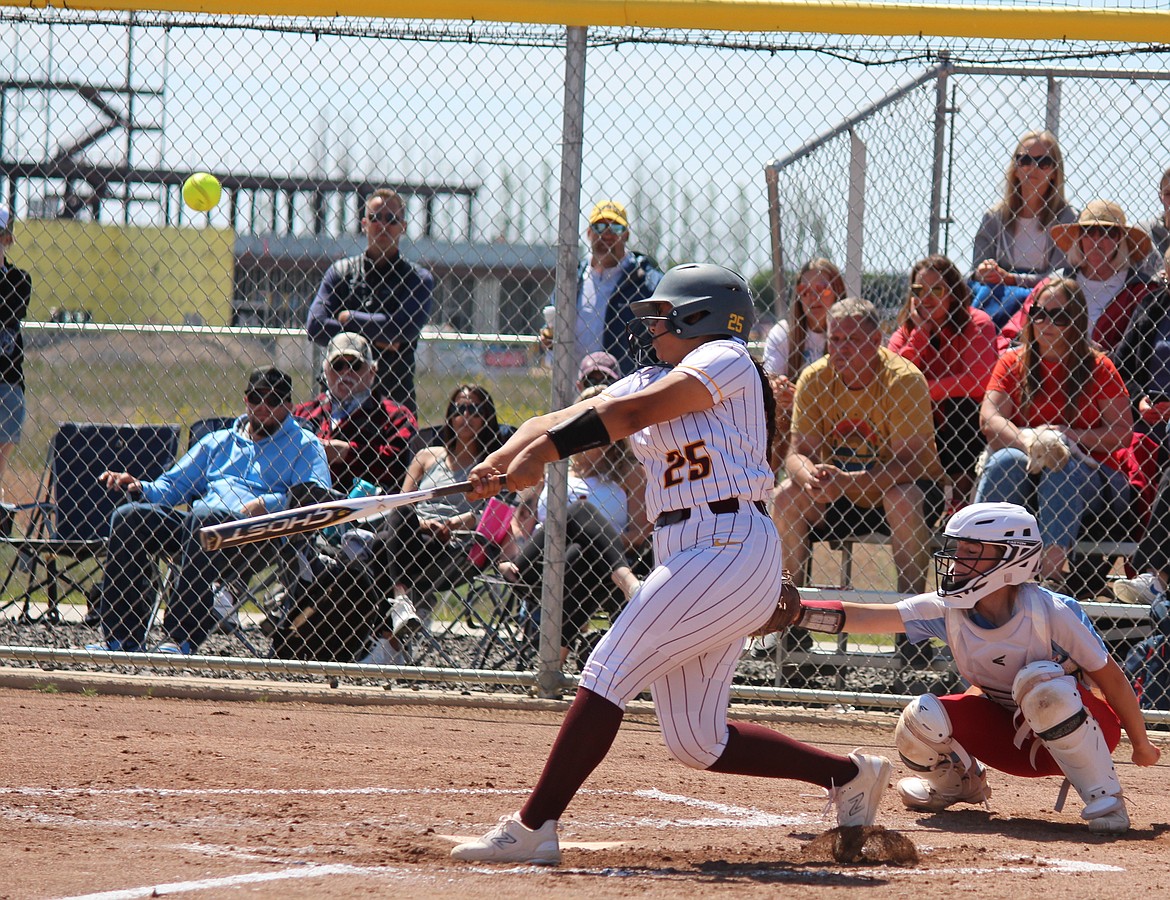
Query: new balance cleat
x=510, y=841
x=857, y=802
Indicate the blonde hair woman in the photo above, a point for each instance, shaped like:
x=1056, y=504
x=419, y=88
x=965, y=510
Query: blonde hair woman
x=1014, y=243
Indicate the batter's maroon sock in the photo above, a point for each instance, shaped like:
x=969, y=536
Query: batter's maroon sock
x=585, y=737
x=752, y=750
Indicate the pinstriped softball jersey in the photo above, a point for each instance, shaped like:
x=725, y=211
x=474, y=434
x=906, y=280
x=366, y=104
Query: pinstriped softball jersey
x=710, y=455
x=716, y=577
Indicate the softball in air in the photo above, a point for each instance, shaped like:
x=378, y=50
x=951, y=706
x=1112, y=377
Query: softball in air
x=201, y=191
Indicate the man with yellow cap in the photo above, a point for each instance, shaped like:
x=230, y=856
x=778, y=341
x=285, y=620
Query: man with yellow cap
x=611, y=279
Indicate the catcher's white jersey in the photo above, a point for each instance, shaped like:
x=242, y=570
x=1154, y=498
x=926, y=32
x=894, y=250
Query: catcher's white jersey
x=711, y=455
x=1044, y=626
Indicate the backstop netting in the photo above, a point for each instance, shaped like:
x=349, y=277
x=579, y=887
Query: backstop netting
x=146, y=319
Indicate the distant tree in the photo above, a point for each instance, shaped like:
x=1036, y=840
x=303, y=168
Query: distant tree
x=885, y=290
x=804, y=227
x=739, y=231
x=763, y=291
x=505, y=228
x=646, y=210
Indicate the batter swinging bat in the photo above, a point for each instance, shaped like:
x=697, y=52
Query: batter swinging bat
x=316, y=516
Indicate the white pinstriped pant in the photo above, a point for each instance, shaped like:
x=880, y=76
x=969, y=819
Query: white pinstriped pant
x=718, y=578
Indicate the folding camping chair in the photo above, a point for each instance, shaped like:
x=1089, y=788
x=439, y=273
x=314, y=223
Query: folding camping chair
x=62, y=541
x=200, y=428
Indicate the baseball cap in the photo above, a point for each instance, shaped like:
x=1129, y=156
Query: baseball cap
x=349, y=344
x=271, y=381
x=598, y=362
x=610, y=211
x=5, y=221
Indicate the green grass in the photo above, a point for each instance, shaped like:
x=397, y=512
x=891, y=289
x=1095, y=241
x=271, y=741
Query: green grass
x=150, y=380
x=180, y=387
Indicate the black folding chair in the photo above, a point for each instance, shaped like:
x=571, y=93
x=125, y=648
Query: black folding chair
x=63, y=539
x=200, y=428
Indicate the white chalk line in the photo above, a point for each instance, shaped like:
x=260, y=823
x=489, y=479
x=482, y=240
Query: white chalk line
x=309, y=870
x=731, y=816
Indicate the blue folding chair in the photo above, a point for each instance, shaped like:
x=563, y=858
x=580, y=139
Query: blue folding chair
x=62, y=542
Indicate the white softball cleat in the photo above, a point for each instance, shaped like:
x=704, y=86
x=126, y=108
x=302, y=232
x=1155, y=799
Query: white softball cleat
x=1107, y=815
x=857, y=802
x=510, y=841
x=944, y=787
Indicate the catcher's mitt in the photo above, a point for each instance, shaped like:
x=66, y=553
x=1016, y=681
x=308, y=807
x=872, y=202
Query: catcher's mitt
x=787, y=610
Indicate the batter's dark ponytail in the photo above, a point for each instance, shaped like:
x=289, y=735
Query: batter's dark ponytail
x=769, y=409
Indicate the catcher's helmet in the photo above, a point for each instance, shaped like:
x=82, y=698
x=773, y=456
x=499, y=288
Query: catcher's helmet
x=1005, y=527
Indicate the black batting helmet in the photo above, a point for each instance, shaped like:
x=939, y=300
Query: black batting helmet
x=707, y=300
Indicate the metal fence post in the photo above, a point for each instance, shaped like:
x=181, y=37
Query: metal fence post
x=940, y=141
x=1052, y=106
x=564, y=365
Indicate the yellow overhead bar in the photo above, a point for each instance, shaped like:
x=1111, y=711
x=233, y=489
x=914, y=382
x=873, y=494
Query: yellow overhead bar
x=809, y=16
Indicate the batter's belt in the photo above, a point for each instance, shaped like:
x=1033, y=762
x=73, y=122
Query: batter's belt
x=719, y=507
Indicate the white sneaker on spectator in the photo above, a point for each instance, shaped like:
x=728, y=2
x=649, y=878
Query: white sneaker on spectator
x=173, y=648
x=511, y=841
x=857, y=802
x=224, y=605
x=1143, y=589
x=383, y=653
x=404, y=620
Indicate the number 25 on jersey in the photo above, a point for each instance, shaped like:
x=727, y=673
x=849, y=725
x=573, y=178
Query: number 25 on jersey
x=692, y=463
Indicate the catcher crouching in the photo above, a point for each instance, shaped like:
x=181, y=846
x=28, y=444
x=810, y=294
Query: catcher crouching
x=1046, y=698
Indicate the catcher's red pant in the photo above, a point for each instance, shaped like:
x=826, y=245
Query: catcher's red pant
x=987, y=731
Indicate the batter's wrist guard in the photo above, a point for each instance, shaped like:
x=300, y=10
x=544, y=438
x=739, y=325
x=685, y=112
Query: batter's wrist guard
x=826, y=616
x=583, y=431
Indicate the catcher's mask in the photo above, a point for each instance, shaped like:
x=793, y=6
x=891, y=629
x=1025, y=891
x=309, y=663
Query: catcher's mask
x=705, y=300
x=1005, y=533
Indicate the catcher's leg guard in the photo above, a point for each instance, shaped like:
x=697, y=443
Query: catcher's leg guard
x=1051, y=705
x=947, y=773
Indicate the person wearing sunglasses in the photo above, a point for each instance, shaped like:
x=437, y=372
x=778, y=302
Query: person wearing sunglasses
x=379, y=295
x=365, y=438
x=607, y=283
x=420, y=549
x=1106, y=258
x=264, y=463
x=1056, y=381
x=953, y=345
x=1013, y=247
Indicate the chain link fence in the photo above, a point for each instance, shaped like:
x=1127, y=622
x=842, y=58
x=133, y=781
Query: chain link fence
x=148, y=321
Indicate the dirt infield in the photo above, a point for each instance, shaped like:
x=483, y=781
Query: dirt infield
x=125, y=797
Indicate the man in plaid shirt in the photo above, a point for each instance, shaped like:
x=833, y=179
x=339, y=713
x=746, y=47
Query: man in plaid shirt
x=365, y=438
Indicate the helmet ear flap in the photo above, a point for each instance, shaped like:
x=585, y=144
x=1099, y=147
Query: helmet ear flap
x=707, y=301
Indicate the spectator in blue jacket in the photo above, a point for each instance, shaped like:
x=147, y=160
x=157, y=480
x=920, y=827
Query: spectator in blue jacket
x=607, y=283
x=379, y=295
x=246, y=470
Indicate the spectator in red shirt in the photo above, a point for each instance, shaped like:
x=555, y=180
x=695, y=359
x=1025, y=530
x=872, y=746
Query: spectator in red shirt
x=364, y=437
x=1106, y=256
x=1056, y=379
x=954, y=347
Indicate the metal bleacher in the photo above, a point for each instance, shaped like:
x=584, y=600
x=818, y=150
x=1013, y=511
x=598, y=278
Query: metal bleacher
x=1119, y=624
